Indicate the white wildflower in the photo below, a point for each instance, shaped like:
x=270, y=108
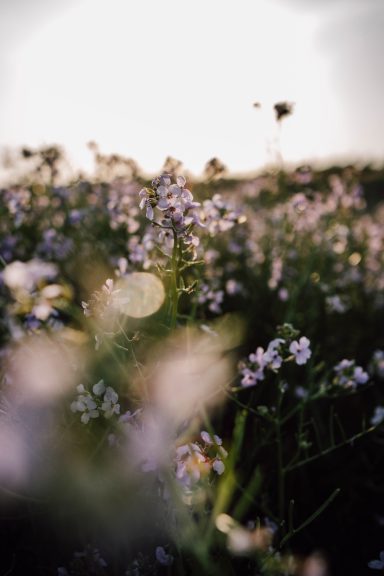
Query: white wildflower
x=301, y=350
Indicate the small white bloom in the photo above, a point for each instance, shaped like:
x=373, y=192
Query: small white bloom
x=218, y=466
x=149, y=211
x=163, y=557
x=217, y=440
x=78, y=406
x=110, y=404
x=85, y=418
x=377, y=363
x=360, y=376
x=260, y=360
x=377, y=564
x=99, y=388
x=165, y=179
x=378, y=416
x=206, y=437
x=249, y=378
x=258, y=357
x=301, y=392
x=301, y=350
x=283, y=294
x=348, y=375
x=343, y=365
x=110, y=395
x=90, y=403
x=85, y=307
x=180, y=180
x=272, y=357
x=110, y=409
x=182, y=451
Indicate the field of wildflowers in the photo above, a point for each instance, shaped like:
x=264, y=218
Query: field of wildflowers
x=192, y=371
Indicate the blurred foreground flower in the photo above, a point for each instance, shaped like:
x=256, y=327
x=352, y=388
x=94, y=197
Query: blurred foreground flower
x=190, y=372
x=39, y=372
x=186, y=376
x=243, y=541
x=24, y=276
x=41, y=369
x=314, y=565
x=138, y=294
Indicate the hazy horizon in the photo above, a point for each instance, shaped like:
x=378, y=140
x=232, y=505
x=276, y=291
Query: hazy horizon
x=154, y=79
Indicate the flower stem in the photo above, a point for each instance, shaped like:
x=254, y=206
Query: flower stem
x=280, y=462
x=174, y=280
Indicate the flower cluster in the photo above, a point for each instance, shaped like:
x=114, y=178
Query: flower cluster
x=197, y=459
x=220, y=215
x=139, y=249
x=278, y=351
x=100, y=300
x=348, y=375
x=213, y=297
x=35, y=301
x=101, y=401
x=304, y=252
x=142, y=434
x=176, y=204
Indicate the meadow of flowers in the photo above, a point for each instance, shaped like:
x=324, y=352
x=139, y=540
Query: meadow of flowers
x=192, y=371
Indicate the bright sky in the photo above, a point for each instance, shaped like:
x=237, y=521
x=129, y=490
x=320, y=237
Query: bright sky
x=152, y=78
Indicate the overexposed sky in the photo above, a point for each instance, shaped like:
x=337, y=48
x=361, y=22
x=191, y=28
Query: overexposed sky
x=152, y=78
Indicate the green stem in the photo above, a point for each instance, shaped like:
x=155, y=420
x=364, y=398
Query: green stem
x=174, y=280
x=290, y=517
x=310, y=518
x=280, y=462
x=330, y=449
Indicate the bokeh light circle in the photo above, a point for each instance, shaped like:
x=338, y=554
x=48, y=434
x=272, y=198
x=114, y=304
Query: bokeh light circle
x=139, y=294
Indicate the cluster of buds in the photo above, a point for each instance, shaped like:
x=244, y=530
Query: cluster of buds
x=279, y=350
x=101, y=401
x=176, y=205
